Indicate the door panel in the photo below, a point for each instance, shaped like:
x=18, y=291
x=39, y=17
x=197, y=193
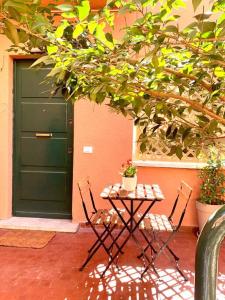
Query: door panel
x=42, y=147
x=45, y=152
x=48, y=186
x=53, y=117
x=34, y=80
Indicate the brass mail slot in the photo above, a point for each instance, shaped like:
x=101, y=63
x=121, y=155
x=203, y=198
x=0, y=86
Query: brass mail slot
x=39, y=134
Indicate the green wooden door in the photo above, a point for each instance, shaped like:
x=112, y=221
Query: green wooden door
x=42, y=147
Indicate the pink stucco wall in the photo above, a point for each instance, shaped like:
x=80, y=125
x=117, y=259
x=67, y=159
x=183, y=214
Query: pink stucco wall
x=110, y=135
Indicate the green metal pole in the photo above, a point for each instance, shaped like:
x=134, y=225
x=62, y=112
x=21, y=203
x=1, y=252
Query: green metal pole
x=206, y=258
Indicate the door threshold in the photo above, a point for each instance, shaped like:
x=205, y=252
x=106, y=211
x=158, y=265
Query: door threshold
x=58, y=225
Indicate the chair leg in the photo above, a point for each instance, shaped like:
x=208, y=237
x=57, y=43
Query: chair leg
x=109, y=232
x=117, y=252
x=149, y=245
x=96, y=242
x=161, y=249
x=176, y=258
x=181, y=273
x=146, y=248
x=112, y=237
x=146, y=269
x=95, y=249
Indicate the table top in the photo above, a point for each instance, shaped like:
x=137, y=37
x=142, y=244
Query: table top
x=145, y=192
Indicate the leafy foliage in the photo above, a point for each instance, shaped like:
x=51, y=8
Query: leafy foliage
x=212, y=189
x=169, y=80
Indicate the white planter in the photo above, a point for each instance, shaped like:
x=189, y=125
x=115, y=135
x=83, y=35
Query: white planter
x=129, y=183
x=204, y=211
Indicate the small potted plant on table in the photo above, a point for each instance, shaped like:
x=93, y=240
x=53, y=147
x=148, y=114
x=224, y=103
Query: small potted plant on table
x=212, y=190
x=129, y=176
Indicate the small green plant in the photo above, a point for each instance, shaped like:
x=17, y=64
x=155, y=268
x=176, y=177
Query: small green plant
x=212, y=190
x=128, y=169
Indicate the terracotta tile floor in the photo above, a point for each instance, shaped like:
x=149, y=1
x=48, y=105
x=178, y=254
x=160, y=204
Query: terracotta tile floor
x=52, y=273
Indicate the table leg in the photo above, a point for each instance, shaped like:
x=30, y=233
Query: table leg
x=130, y=230
x=133, y=229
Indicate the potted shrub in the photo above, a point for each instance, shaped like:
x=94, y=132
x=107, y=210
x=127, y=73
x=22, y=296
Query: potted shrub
x=212, y=190
x=129, y=176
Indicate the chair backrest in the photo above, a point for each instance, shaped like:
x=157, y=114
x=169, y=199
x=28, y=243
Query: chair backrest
x=86, y=195
x=183, y=195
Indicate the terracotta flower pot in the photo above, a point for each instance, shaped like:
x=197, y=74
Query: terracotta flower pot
x=97, y=4
x=204, y=211
x=129, y=183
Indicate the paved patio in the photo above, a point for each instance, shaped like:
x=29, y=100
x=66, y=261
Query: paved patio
x=52, y=273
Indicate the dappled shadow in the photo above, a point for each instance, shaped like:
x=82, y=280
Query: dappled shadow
x=126, y=283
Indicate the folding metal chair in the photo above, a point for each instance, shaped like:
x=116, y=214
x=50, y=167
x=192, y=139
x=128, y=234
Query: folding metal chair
x=98, y=219
x=155, y=224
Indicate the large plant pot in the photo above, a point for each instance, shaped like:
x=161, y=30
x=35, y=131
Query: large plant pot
x=204, y=211
x=129, y=183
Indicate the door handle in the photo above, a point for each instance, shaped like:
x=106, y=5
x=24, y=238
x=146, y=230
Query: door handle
x=39, y=134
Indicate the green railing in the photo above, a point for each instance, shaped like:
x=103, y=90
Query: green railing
x=206, y=259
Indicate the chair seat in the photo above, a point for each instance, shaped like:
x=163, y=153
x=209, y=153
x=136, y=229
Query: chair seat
x=105, y=216
x=156, y=222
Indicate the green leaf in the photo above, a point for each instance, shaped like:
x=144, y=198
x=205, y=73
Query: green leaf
x=221, y=19
x=54, y=71
x=201, y=17
x=65, y=7
x=14, y=13
x=100, y=35
x=172, y=151
x=52, y=49
x=92, y=26
x=179, y=152
x=109, y=17
x=212, y=126
x=222, y=32
x=155, y=61
x=207, y=26
x=176, y=4
x=143, y=147
x=60, y=29
x=196, y=3
x=23, y=36
x=19, y=6
x=43, y=59
x=11, y=32
x=203, y=118
x=79, y=29
x=219, y=72
x=171, y=28
x=146, y=3
x=40, y=23
x=83, y=10
x=109, y=37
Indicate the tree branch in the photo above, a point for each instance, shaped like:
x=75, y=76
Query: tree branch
x=203, y=83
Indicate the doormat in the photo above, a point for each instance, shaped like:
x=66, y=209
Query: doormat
x=26, y=238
